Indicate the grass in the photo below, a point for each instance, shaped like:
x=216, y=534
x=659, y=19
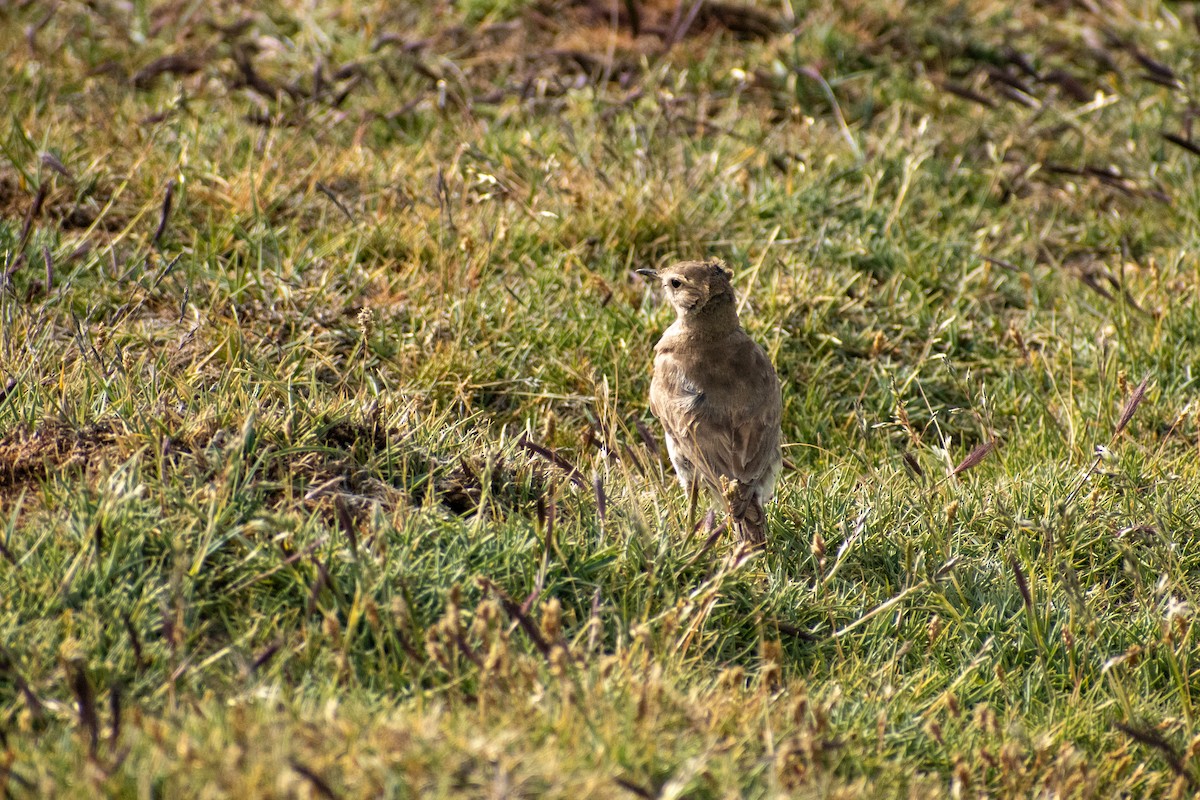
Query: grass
x=326, y=468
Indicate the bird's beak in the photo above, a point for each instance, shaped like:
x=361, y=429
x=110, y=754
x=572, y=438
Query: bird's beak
x=649, y=273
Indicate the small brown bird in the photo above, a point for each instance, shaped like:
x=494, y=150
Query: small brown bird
x=717, y=396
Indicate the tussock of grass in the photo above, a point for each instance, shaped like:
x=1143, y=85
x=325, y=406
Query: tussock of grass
x=325, y=463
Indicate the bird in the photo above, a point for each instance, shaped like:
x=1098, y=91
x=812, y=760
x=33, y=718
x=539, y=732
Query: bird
x=717, y=396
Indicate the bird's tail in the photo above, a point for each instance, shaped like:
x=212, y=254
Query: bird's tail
x=749, y=518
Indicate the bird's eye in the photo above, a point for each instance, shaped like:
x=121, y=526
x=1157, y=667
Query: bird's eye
x=676, y=283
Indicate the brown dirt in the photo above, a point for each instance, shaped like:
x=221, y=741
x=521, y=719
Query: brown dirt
x=550, y=40
x=29, y=456
x=672, y=20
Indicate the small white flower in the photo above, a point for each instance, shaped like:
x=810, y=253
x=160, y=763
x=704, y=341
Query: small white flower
x=1177, y=609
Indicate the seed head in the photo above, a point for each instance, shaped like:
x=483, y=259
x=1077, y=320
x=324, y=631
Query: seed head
x=366, y=321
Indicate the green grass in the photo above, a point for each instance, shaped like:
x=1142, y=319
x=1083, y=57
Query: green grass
x=286, y=320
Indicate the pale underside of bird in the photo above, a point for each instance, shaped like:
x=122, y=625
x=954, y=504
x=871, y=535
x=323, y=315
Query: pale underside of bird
x=717, y=396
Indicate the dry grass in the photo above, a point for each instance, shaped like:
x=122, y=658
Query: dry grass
x=325, y=463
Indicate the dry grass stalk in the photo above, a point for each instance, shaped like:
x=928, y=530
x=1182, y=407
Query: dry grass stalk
x=975, y=457
x=1147, y=735
x=1022, y=583
x=1131, y=406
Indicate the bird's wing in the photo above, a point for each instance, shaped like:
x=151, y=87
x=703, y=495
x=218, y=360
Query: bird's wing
x=745, y=438
x=672, y=401
x=675, y=401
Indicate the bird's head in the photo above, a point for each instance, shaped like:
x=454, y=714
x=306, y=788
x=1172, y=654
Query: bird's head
x=694, y=286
